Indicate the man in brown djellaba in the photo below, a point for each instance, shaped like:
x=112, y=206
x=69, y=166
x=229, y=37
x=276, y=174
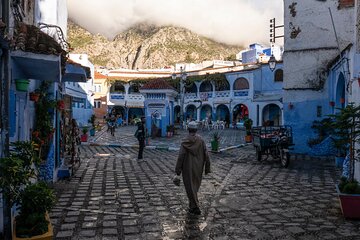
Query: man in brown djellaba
x=193, y=158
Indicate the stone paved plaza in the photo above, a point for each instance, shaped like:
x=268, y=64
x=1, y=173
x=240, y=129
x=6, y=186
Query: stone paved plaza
x=112, y=196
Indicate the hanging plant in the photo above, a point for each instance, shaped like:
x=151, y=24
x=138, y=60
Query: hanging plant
x=43, y=130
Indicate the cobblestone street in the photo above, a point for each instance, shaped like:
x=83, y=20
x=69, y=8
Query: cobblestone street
x=112, y=196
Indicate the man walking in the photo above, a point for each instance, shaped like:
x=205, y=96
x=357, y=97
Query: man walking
x=141, y=137
x=192, y=159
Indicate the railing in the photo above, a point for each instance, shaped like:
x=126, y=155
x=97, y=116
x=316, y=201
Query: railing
x=55, y=32
x=241, y=93
x=135, y=97
x=117, y=96
x=190, y=96
x=222, y=94
x=156, y=95
x=204, y=96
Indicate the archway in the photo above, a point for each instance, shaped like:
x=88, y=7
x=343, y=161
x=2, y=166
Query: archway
x=206, y=111
x=340, y=91
x=119, y=111
x=117, y=87
x=223, y=113
x=135, y=113
x=206, y=86
x=134, y=88
x=271, y=115
x=222, y=85
x=240, y=112
x=191, y=89
x=241, y=84
x=190, y=113
x=177, y=114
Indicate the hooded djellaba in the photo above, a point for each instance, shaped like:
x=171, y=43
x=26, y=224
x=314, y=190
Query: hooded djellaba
x=193, y=158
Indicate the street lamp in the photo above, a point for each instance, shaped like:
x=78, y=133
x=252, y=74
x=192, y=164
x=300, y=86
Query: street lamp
x=183, y=77
x=272, y=63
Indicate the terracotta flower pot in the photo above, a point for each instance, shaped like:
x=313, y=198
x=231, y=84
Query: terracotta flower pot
x=34, y=96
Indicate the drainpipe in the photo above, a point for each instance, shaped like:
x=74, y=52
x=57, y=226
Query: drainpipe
x=5, y=90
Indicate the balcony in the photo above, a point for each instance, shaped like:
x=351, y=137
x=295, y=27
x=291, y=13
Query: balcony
x=241, y=93
x=222, y=94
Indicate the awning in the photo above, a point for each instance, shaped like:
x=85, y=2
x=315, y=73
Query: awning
x=27, y=65
x=74, y=73
x=75, y=93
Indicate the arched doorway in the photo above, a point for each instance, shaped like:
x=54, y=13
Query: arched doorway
x=240, y=112
x=190, y=113
x=135, y=113
x=340, y=92
x=177, y=114
x=206, y=111
x=271, y=115
x=119, y=111
x=223, y=113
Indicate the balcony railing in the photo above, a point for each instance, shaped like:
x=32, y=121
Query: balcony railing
x=135, y=97
x=241, y=93
x=56, y=33
x=117, y=96
x=189, y=96
x=222, y=94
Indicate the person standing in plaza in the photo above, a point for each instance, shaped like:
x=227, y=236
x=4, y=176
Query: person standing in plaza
x=140, y=135
x=193, y=158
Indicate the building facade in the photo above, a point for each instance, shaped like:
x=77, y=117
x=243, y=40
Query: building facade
x=315, y=84
x=100, y=95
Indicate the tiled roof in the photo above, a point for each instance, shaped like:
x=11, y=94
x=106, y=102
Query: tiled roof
x=30, y=38
x=157, y=84
x=99, y=75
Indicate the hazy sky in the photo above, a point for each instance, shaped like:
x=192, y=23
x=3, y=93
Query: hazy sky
x=228, y=21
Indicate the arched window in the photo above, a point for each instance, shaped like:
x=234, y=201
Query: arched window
x=278, y=75
x=222, y=85
x=206, y=87
x=118, y=87
x=241, y=84
x=134, y=88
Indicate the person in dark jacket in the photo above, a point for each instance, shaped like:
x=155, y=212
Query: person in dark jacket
x=193, y=158
x=141, y=137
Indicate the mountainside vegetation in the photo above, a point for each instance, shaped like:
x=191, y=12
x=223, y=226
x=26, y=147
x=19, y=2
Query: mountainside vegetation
x=148, y=46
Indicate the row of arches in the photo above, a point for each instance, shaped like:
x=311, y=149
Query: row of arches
x=205, y=86
x=271, y=114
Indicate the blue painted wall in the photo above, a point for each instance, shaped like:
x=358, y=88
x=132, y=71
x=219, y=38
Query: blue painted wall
x=301, y=117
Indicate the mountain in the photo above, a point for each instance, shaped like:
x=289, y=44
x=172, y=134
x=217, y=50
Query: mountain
x=148, y=46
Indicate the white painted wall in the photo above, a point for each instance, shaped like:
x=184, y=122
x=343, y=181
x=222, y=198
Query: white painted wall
x=52, y=12
x=82, y=115
x=315, y=45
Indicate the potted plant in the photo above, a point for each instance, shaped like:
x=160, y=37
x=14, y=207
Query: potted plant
x=33, y=220
x=248, y=125
x=215, y=142
x=93, y=126
x=17, y=171
x=22, y=84
x=84, y=136
x=346, y=125
x=34, y=96
x=44, y=118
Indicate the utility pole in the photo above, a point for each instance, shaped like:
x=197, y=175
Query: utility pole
x=273, y=28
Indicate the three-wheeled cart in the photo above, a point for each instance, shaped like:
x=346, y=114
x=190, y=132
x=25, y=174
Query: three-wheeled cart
x=274, y=141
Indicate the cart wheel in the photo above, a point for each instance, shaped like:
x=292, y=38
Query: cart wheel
x=258, y=153
x=284, y=158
